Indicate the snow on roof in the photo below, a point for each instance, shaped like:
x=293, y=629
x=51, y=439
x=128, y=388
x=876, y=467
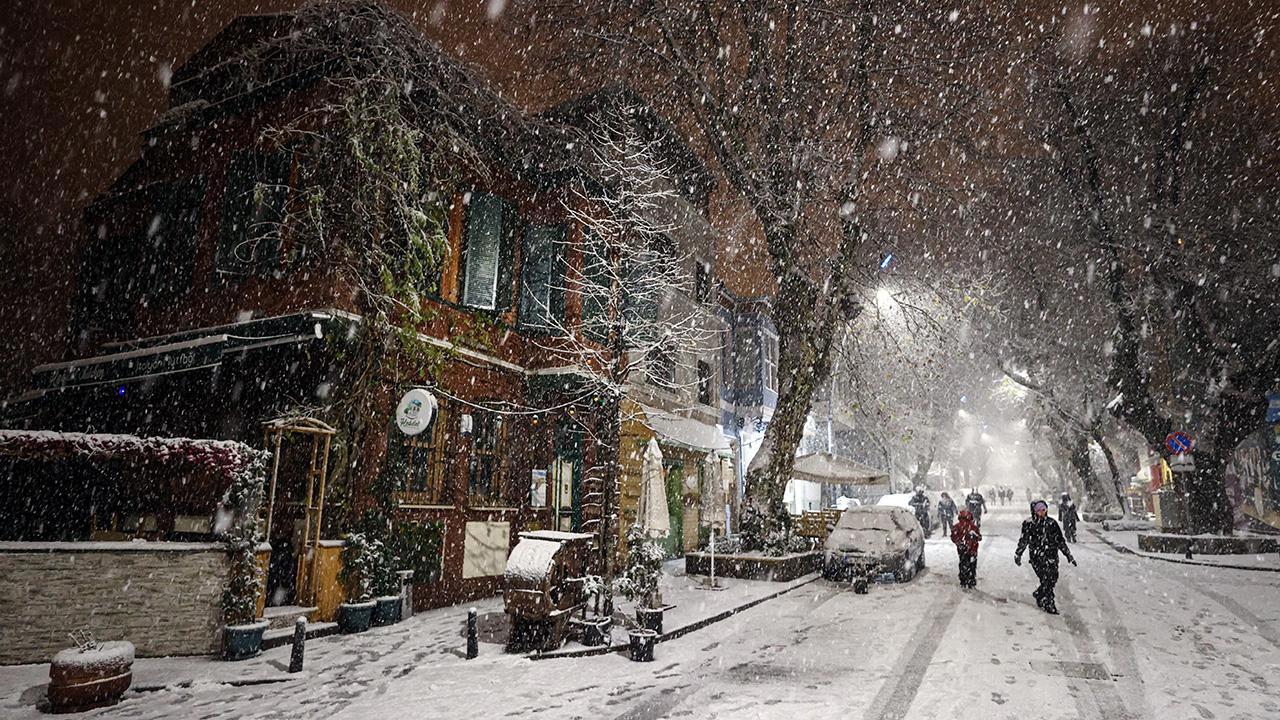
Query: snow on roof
x=47, y=444
x=532, y=558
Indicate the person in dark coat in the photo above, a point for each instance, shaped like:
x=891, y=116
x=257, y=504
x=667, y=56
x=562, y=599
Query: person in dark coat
x=1043, y=538
x=966, y=535
x=920, y=505
x=1068, y=515
x=976, y=505
x=946, y=512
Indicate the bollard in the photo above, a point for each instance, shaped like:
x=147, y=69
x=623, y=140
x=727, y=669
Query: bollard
x=299, y=645
x=473, y=635
x=1189, y=550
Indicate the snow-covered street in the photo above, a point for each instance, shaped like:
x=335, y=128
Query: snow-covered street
x=1137, y=638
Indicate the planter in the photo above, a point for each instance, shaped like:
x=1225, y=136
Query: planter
x=386, y=611
x=783, y=568
x=642, y=642
x=650, y=619
x=83, y=680
x=596, y=631
x=355, y=617
x=240, y=642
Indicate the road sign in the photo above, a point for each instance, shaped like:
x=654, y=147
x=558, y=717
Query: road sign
x=1273, y=407
x=1179, y=442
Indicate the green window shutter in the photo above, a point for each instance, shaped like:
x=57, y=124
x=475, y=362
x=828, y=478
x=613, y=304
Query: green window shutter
x=174, y=229
x=483, y=250
x=512, y=230
x=541, y=294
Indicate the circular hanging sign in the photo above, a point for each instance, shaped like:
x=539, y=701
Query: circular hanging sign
x=415, y=411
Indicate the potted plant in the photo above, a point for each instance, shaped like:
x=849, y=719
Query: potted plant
x=639, y=581
x=242, y=630
x=596, y=629
x=386, y=588
x=360, y=557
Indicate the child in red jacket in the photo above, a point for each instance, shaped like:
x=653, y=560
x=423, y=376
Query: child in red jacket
x=966, y=535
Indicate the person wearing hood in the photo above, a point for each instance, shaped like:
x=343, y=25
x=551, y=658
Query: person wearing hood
x=946, y=512
x=966, y=535
x=1043, y=538
x=1069, y=516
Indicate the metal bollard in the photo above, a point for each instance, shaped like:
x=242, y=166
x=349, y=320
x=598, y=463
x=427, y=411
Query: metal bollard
x=473, y=634
x=1188, y=555
x=299, y=645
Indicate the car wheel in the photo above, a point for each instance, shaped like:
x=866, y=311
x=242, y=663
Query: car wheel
x=920, y=562
x=907, y=571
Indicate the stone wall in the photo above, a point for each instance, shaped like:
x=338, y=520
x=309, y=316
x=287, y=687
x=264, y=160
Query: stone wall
x=163, y=597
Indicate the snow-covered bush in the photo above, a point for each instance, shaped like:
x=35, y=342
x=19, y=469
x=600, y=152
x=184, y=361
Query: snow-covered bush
x=362, y=563
x=639, y=581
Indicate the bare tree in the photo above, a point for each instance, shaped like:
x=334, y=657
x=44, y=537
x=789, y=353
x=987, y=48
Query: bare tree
x=815, y=113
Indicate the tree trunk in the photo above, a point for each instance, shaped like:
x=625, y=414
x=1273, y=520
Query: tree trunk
x=1208, y=507
x=1116, y=482
x=1095, y=496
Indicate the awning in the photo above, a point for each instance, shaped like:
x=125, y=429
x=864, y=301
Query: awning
x=821, y=467
x=186, y=351
x=685, y=432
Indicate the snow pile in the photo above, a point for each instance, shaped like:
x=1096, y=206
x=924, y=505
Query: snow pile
x=116, y=652
x=531, y=560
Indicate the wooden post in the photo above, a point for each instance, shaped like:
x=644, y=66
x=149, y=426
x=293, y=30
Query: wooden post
x=315, y=543
x=275, y=473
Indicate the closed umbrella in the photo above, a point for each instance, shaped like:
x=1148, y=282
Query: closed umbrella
x=713, y=493
x=653, y=517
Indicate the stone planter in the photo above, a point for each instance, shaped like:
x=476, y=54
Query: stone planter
x=386, y=611
x=650, y=619
x=83, y=680
x=642, y=642
x=240, y=642
x=783, y=568
x=355, y=617
x=1206, y=544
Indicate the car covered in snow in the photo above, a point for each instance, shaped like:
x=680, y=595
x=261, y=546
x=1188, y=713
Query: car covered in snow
x=874, y=539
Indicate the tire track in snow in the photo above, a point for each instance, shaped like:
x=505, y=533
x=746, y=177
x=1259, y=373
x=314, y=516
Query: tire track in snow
x=1106, y=700
x=895, y=698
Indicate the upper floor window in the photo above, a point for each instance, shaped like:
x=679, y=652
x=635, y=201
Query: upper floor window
x=486, y=279
x=253, y=210
x=597, y=287
x=706, y=383
x=542, y=279
x=703, y=281
x=769, y=356
x=662, y=366
x=168, y=239
x=487, y=470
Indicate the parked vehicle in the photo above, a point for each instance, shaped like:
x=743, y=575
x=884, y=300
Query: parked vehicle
x=874, y=539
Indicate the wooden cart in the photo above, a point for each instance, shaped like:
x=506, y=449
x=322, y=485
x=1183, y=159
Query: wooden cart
x=544, y=586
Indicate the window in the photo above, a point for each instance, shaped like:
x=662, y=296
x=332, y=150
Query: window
x=542, y=283
x=253, y=210
x=703, y=282
x=597, y=287
x=169, y=238
x=487, y=468
x=662, y=366
x=706, y=383
x=420, y=462
x=486, y=281
x=769, y=354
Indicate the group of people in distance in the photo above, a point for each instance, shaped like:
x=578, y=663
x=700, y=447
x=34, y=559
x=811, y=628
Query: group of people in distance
x=1042, y=538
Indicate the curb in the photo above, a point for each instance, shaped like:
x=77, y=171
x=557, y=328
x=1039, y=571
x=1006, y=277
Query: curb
x=1180, y=561
x=682, y=630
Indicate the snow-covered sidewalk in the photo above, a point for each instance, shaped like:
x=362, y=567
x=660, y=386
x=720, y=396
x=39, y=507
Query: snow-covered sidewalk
x=1126, y=541
x=436, y=634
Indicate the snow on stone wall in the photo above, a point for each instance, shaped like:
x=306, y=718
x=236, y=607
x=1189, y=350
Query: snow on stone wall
x=162, y=597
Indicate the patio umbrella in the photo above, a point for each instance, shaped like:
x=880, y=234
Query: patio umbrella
x=713, y=493
x=653, y=517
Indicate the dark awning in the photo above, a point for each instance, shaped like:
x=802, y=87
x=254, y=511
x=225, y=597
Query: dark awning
x=189, y=350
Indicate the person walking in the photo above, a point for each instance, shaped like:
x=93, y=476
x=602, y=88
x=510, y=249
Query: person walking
x=1069, y=516
x=920, y=504
x=946, y=512
x=966, y=535
x=976, y=505
x=1042, y=537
